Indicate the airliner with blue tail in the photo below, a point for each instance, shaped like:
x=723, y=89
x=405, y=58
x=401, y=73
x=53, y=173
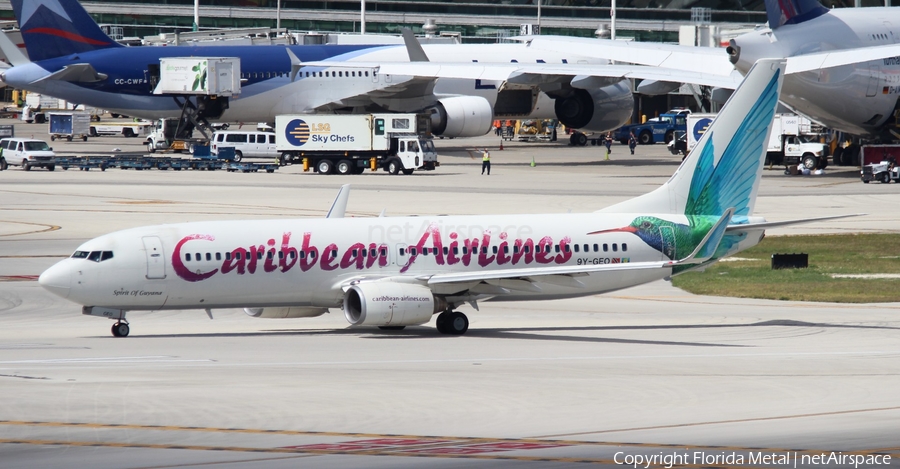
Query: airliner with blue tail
x=393, y=272
x=70, y=58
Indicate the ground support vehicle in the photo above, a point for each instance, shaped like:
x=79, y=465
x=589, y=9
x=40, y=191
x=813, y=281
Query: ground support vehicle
x=173, y=134
x=69, y=125
x=349, y=144
x=84, y=163
x=27, y=153
x=794, y=141
x=125, y=129
x=660, y=129
x=884, y=171
x=250, y=167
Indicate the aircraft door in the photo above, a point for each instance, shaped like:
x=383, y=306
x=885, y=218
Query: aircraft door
x=874, y=72
x=156, y=259
x=667, y=235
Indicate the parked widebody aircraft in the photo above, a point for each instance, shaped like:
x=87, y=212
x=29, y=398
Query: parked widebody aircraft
x=393, y=272
x=69, y=57
x=843, y=65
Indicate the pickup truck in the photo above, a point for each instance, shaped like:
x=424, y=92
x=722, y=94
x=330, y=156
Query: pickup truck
x=658, y=129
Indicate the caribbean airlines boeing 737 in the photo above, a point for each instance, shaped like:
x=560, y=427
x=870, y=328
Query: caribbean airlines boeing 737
x=69, y=57
x=398, y=271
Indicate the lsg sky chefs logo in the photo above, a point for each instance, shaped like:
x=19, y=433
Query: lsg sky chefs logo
x=297, y=132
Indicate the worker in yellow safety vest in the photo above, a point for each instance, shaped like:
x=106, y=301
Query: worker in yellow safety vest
x=486, y=162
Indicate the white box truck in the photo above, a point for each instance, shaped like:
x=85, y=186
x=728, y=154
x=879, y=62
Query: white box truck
x=348, y=144
x=793, y=142
x=207, y=76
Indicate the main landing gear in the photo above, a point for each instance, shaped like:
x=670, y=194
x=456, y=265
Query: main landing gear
x=452, y=323
x=120, y=329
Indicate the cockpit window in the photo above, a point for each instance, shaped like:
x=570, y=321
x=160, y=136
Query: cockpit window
x=96, y=256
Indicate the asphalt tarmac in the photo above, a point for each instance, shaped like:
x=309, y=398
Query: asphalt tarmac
x=651, y=376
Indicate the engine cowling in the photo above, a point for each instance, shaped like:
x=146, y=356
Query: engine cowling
x=286, y=312
x=598, y=109
x=462, y=116
x=388, y=304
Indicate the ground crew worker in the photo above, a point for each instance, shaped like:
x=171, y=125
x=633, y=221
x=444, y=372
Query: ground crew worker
x=608, y=142
x=486, y=162
x=632, y=142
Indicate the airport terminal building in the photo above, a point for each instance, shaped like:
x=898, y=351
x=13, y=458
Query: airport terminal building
x=643, y=20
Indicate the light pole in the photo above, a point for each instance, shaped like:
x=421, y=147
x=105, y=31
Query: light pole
x=196, y=15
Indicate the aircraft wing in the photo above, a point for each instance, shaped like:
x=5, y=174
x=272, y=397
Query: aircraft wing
x=582, y=75
x=709, y=60
x=809, y=62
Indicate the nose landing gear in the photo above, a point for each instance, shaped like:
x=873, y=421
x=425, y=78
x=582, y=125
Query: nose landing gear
x=120, y=329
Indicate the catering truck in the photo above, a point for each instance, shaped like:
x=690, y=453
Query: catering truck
x=794, y=141
x=348, y=144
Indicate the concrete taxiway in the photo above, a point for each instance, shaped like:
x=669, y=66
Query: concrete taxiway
x=646, y=371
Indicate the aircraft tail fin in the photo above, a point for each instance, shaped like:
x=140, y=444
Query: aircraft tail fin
x=725, y=167
x=782, y=12
x=58, y=28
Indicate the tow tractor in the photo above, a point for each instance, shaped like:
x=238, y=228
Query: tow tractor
x=885, y=171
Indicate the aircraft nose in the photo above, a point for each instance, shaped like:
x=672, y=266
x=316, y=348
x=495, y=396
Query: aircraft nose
x=57, y=280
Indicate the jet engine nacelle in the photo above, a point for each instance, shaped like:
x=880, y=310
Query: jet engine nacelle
x=388, y=304
x=462, y=116
x=598, y=109
x=286, y=312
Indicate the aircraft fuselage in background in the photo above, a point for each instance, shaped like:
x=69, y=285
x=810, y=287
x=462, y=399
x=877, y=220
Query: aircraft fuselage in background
x=858, y=98
x=268, y=91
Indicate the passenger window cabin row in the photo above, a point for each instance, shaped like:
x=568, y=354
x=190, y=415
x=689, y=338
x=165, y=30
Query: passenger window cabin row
x=413, y=251
x=333, y=253
x=325, y=74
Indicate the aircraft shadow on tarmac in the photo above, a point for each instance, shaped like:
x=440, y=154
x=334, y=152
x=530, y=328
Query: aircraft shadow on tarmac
x=528, y=333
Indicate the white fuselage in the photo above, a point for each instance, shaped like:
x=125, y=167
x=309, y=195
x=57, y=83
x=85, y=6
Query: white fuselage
x=268, y=90
x=857, y=98
x=196, y=265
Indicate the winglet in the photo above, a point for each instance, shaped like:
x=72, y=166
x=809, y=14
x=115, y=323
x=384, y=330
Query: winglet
x=295, y=64
x=707, y=248
x=340, y=203
x=12, y=53
x=413, y=48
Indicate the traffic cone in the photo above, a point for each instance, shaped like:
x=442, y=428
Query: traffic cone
x=532, y=162
x=501, y=143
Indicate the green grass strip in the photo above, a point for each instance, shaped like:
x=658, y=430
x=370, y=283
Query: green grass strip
x=877, y=253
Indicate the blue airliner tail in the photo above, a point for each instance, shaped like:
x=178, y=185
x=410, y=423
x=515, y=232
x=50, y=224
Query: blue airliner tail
x=55, y=28
x=782, y=12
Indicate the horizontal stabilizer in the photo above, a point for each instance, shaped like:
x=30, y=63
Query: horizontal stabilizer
x=11, y=51
x=777, y=224
x=76, y=73
x=707, y=248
